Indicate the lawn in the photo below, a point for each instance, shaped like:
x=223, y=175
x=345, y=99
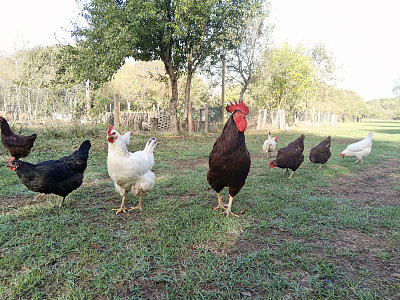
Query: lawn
x=327, y=233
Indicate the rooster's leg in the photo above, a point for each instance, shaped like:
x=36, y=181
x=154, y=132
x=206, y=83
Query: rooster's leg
x=228, y=211
x=291, y=175
x=61, y=204
x=139, y=206
x=220, y=205
x=320, y=166
x=122, y=208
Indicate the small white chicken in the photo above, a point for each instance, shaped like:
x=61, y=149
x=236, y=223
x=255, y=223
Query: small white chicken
x=130, y=171
x=270, y=144
x=127, y=137
x=360, y=149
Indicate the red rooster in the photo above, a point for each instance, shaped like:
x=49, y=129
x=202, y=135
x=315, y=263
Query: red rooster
x=19, y=146
x=229, y=160
x=290, y=157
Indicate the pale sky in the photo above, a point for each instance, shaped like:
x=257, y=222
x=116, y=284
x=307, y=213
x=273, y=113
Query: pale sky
x=363, y=35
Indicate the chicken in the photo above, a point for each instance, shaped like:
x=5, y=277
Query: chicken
x=127, y=137
x=229, y=160
x=130, y=171
x=321, y=153
x=290, y=157
x=360, y=149
x=269, y=145
x=59, y=177
x=19, y=146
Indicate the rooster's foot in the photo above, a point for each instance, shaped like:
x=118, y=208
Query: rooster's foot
x=228, y=212
x=136, y=207
x=220, y=206
x=122, y=209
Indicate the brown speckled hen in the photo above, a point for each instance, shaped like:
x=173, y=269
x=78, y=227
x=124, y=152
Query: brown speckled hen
x=229, y=160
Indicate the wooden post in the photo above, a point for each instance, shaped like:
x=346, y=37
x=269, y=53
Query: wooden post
x=206, y=120
x=259, y=120
x=88, y=99
x=116, y=111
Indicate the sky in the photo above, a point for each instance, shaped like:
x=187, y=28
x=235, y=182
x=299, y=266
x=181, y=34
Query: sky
x=362, y=35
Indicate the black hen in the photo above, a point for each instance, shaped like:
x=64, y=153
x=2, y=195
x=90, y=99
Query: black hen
x=229, y=160
x=58, y=177
x=290, y=157
x=19, y=146
x=321, y=153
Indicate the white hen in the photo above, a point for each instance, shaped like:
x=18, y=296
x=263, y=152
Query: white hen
x=270, y=144
x=360, y=149
x=127, y=137
x=130, y=171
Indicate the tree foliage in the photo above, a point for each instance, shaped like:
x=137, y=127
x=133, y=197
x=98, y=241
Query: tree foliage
x=179, y=33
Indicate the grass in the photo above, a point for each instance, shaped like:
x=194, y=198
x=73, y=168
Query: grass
x=292, y=242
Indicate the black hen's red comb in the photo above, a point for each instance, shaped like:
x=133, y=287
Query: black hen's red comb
x=240, y=106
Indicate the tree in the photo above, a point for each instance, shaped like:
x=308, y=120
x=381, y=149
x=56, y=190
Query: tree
x=179, y=33
x=396, y=88
x=287, y=73
x=243, y=60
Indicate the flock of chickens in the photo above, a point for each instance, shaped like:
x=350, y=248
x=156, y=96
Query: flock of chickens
x=229, y=161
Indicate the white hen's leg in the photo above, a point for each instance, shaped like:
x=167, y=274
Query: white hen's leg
x=139, y=206
x=122, y=208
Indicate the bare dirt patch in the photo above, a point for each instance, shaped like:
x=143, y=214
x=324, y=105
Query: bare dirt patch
x=375, y=186
x=181, y=164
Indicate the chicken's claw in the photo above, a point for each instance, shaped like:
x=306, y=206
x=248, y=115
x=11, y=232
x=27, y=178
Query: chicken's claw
x=136, y=207
x=220, y=206
x=228, y=213
x=121, y=209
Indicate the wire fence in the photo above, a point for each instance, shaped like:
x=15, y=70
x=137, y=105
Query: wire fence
x=27, y=105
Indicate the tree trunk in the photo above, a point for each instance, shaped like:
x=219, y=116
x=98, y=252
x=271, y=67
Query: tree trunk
x=88, y=99
x=173, y=102
x=188, y=102
x=223, y=89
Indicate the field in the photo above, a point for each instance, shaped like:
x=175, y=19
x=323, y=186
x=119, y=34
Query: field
x=329, y=233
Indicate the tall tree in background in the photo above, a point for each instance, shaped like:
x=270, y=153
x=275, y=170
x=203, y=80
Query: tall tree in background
x=287, y=73
x=180, y=33
x=243, y=60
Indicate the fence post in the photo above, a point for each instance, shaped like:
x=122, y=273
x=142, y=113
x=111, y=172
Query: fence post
x=206, y=120
x=116, y=111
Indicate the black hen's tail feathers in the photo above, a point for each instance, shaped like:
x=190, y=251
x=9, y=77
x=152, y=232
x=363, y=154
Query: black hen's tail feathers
x=77, y=161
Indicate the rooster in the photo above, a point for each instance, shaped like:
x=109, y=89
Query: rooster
x=321, y=153
x=269, y=145
x=360, y=149
x=59, y=177
x=19, y=146
x=290, y=157
x=130, y=171
x=229, y=160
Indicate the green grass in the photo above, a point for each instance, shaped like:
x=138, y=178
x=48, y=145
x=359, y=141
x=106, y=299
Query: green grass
x=291, y=243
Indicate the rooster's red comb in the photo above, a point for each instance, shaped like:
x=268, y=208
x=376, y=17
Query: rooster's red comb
x=240, y=106
x=110, y=127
